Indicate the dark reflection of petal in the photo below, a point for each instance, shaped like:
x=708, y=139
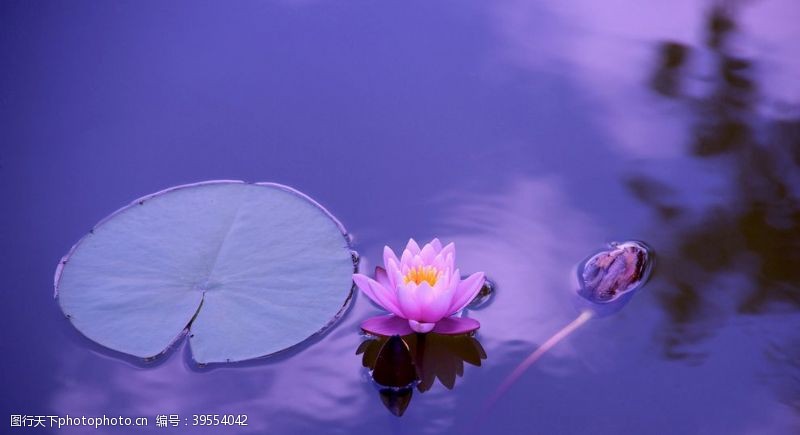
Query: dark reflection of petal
x=443, y=357
x=362, y=347
x=469, y=350
x=399, y=361
x=370, y=349
x=394, y=366
x=396, y=400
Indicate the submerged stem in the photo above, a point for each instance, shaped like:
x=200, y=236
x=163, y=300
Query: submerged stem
x=582, y=318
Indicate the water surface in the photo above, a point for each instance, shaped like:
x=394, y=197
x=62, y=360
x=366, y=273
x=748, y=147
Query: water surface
x=529, y=133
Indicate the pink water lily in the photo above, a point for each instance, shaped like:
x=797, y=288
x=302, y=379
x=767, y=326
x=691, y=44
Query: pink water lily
x=422, y=290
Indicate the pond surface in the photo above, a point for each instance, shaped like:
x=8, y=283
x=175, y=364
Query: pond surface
x=529, y=133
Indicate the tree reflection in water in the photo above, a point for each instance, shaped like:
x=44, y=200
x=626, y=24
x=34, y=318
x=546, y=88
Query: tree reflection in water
x=753, y=231
x=400, y=364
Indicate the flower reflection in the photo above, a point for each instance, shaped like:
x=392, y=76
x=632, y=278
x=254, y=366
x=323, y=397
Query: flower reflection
x=401, y=364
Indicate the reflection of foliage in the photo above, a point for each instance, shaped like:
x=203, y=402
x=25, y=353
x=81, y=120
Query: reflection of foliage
x=757, y=232
x=786, y=381
x=399, y=364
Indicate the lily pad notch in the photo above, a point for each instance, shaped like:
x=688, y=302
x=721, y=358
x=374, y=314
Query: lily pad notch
x=248, y=269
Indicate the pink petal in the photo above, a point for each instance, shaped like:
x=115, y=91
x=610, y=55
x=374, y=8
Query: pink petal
x=416, y=261
x=432, y=306
x=387, y=254
x=407, y=301
x=406, y=261
x=428, y=253
x=439, y=263
x=447, y=255
x=388, y=258
x=422, y=328
x=424, y=294
x=378, y=293
x=466, y=291
x=413, y=247
x=394, y=273
x=387, y=326
x=382, y=277
x=362, y=281
x=437, y=245
x=456, y=325
x=436, y=304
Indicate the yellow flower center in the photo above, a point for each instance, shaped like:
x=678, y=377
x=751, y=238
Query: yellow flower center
x=422, y=273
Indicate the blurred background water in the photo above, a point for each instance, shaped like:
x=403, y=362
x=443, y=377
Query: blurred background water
x=529, y=133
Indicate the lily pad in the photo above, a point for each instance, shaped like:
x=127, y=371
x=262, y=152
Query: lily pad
x=249, y=269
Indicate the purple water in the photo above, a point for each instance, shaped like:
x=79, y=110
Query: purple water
x=529, y=133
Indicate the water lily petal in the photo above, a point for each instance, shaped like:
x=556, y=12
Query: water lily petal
x=466, y=291
x=421, y=327
x=443, y=281
x=412, y=247
x=427, y=254
x=387, y=325
x=442, y=263
x=417, y=261
x=362, y=282
x=383, y=278
x=389, y=257
x=454, y=279
x=389, y=253
x=433, y=303
x=456, y=325
x=447, y=256
x=394, y=273
x=437, y=245
x=382, y=296
x=425, y=294
x=406, y=261
x=387, y=296
x=407, y=300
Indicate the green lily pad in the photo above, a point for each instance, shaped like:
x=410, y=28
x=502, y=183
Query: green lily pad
x=249, y=269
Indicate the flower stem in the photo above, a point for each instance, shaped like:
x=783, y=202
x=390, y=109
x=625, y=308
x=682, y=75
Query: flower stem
x=582, y=318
